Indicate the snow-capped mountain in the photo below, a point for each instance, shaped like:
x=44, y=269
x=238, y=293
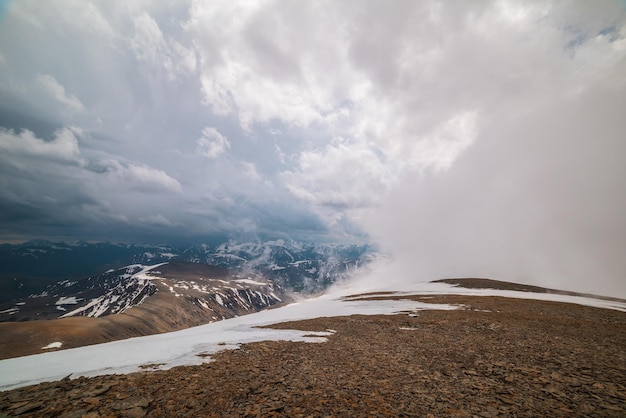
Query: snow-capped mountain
x=29, y=268
x=132, y=301
x=209, y=291
x=307, y=268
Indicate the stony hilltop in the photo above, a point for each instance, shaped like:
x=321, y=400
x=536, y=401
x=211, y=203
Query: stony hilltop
x=494, y=357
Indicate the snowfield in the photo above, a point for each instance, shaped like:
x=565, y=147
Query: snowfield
x=56, y=344
x=68, y=300
x=190, y=346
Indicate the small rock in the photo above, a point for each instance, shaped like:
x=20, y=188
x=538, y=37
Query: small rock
x=31, y=406
x=136, y=412
x=611, y=407
x=131, y=403
x=98, y=390
x=74, y=414
x=91, y=400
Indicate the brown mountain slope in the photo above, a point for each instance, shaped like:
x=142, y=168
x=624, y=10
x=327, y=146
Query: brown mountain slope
x=156, y=315
x=496, y=357
x=184, y=299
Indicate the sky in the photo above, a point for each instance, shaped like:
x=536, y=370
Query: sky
x=464, y=138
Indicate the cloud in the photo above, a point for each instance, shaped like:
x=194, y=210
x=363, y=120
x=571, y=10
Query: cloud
x=150, y=45
x=212, y=143
x=250, y=172
x=468, y=138
x=439, y=148
x=148, y=42
x=342, y=175
x=157, y=220
x=57, y=91
x=139, y=177
x=64, y=145
x=272, y=64
x=538, y=198
x=81, y=17
x=266, y=63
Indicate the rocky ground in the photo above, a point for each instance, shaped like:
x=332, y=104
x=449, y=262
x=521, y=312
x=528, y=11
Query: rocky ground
x=497, y=357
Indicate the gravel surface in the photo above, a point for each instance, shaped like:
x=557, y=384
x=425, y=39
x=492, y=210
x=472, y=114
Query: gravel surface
x=497, y=357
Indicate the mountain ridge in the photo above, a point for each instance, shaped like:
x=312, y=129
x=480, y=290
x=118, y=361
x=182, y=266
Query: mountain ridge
x=134, y=301
x=30, y=267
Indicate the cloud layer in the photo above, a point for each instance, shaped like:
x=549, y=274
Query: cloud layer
x=467, y=139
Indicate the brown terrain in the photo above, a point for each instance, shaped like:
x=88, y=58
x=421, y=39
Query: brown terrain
x=156, y=315
x=173, y=307
x=495, y=357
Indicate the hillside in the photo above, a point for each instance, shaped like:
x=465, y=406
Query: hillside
x=133, y=301
x=492, y=356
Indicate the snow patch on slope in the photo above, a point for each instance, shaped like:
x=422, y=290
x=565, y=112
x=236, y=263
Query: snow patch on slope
x=72, y=300
x=56, y=344
x=131, y=291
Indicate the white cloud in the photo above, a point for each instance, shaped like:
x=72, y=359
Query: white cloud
x=280, y=154
x=64, y=145
x=150, y=45
x=443, y=145
x=538, y=196
x=315, y=66
x=250, y=172
x=148, y=42
x=182, y=60
x=269, y=62
x=85, y=16
x=140, y=177
x=355, y=174
x=212, y=143
x=57, y=91
x=157, y=220
x=341, y=175
x=80, y=16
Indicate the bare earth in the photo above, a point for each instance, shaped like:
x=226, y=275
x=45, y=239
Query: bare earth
x=497, y=357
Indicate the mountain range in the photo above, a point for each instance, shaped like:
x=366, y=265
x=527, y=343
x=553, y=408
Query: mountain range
x=132, y=301
x=165, y=288
x=32, y=267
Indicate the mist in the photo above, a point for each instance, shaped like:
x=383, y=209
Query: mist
x=539, y=198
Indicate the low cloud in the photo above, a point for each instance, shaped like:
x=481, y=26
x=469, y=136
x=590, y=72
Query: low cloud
x=150, y=45
x=63, y=146
x=212, y=143
x=157, y=220
x=341, y=175
x=538, y=199
x=57, y=91
x=139, y=177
